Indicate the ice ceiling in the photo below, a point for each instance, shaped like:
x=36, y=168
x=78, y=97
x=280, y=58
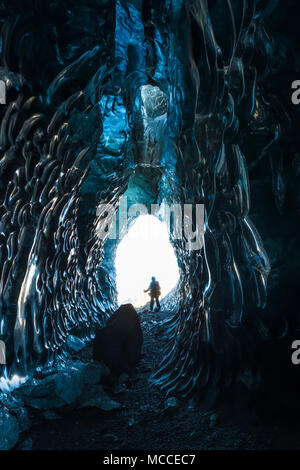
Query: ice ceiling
x=162, y=101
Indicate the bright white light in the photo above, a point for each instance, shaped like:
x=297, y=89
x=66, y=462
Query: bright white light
x=9, y=384
x=145, y=252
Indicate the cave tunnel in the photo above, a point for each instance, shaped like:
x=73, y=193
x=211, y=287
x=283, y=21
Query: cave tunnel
x=157, y=103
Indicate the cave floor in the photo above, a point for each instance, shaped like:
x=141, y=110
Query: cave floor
x=142, y=421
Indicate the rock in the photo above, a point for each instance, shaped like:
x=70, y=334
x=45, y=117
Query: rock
x=16, y=408
x=68, y=386
x=41, y=394
x=119, y=343
x=26, y=444
x=213, y=420
x=92, y=373
x=9, y=429
x=111, y=437
x=96, y=397
x=171, y=406
x=36, y=389
x=74, y=343
x=121, y=385
x=51, y=415
x=119, y=388
x=131, y=422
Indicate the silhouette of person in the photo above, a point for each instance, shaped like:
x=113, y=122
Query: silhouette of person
x=154, y=292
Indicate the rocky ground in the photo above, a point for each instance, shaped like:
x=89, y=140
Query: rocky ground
x=144, y=419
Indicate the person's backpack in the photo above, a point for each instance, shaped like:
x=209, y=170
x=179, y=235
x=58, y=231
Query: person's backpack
x=156, y=288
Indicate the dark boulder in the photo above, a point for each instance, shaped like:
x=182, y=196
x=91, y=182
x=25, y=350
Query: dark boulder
x=119, y=343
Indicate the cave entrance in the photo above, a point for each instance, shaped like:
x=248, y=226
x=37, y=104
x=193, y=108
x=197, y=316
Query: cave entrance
x=145, y=251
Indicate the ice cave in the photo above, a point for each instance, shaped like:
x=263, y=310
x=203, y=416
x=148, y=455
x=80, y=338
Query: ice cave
x=176, y=102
